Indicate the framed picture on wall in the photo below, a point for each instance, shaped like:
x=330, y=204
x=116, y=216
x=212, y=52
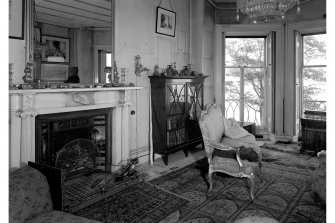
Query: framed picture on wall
x=165, y=22
x=56, y=49
x=16, y=19
x=54, y=72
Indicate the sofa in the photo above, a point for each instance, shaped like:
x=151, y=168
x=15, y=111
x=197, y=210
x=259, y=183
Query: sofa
x=30, y=199
x=319, y=177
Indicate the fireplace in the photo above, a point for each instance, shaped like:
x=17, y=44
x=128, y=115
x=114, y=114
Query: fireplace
x=38, y=117
x=54, y=133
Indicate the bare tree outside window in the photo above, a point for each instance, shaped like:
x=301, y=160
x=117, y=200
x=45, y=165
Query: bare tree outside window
x=314, y=72
x=244, y=79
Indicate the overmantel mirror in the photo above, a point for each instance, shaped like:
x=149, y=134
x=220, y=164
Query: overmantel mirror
x=72, y=39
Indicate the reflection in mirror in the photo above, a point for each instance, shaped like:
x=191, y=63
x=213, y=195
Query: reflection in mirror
x=73, y=33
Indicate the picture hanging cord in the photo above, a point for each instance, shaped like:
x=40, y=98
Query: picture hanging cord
x=170, y=4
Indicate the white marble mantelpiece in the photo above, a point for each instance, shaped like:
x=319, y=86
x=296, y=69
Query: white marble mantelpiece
x=25, y=105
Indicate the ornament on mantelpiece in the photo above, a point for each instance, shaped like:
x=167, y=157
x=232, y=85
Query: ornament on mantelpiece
x=10, y=69
x=108, y=71
x=28, y=77
x=123, y=76
x=116, y=78
x=139, y=67
x=156, y=71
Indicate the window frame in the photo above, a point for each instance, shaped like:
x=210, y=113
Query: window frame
x=242, y=76
x=303, y=66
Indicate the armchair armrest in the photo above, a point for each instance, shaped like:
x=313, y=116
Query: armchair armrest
x=219, y=146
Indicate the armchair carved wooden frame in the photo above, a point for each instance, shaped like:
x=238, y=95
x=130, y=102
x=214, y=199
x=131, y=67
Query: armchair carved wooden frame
x=212, y=129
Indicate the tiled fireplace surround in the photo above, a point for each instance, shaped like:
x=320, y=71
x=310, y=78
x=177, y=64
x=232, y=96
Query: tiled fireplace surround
x=25, y=105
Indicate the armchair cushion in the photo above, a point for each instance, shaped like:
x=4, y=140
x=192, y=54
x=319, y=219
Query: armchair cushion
x=233, y=129
x=231, y=166
x=250, y=149
x=28, y=194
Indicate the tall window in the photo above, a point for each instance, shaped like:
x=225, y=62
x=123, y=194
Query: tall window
x=244, y=79
x=314, y=72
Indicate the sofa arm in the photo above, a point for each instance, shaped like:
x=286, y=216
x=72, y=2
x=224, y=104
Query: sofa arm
x=55, y=179
x=29, y=194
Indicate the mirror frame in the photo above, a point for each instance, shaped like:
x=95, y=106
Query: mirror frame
x=29, y=36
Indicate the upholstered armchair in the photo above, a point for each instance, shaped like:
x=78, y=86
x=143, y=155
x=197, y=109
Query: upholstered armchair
x=220, y=134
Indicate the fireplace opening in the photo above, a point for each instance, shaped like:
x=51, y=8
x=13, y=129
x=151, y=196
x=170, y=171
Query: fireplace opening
x=79, y=139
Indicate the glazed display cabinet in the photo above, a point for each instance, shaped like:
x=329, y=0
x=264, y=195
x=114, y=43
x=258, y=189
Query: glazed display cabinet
x=177, y=102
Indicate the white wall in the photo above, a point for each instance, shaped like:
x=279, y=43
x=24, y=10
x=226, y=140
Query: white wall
x=16, y=56
x=135, y=35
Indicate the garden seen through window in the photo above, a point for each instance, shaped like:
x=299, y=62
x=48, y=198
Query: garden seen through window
x=314, y=72
x=244, y=79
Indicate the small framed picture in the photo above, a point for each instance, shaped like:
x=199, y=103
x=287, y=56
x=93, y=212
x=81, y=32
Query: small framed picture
x=56, y=49
x=54, y=72
x=165, y=22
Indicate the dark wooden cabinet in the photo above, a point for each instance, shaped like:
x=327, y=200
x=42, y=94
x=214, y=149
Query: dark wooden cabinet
x=314, y=134
x=177, y=102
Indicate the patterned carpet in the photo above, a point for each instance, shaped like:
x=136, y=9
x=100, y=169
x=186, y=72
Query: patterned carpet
x=139, y=203
x=282, y=194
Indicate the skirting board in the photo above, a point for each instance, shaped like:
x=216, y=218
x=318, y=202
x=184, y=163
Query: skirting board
x=142, y=154
x=280, y=138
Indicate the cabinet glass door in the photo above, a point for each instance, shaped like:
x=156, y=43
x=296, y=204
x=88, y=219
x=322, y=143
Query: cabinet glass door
x=194, y=107
x=175, y=114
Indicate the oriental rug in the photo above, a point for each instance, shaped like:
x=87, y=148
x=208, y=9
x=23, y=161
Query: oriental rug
x=281, y=193
x=140, y=203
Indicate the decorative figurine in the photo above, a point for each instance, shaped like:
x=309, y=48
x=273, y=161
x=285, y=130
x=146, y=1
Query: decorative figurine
x=185, y=71
x=123, y=76
x=28, y=77
x=116, y=78
x=10, y=69
x=139, y=67
x=156, y=71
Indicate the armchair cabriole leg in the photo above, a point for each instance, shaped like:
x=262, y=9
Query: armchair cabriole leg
x=252, y=185
x=210, y=180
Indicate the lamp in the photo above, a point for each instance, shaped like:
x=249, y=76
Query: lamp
x=265, y=10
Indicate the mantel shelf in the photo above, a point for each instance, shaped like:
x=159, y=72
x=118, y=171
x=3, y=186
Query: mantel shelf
x=60, y=90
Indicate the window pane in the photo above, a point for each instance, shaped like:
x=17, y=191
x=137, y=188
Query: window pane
x=253, y=94
x=245, y=52
x=232, y=83
x=314, y=49
x=232, y=93
x=315, y=89
x=108, y=59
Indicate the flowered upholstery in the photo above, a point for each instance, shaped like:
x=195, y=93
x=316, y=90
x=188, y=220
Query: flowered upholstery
x=28, y=194
x=30, y=199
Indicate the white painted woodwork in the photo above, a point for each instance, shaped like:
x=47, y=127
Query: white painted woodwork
x=25, y=105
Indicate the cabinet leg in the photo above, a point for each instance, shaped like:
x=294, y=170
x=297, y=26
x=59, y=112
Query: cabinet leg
x=186, y=152
x=165, y=160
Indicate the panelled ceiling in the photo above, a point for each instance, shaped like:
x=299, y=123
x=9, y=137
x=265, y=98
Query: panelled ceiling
x=74, y=13
x=89, y=13
x=228, y=4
